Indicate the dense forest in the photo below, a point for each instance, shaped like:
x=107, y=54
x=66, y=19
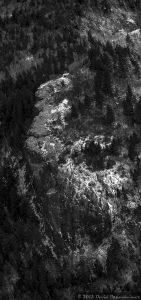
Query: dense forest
x=70, y=149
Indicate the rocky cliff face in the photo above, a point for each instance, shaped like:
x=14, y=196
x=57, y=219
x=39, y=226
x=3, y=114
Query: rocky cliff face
x=83, y=179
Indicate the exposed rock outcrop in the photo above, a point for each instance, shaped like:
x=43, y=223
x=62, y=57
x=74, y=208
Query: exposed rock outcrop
x=85, y=187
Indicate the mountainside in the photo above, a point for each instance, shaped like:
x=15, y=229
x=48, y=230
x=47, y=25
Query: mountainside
x=70, y=164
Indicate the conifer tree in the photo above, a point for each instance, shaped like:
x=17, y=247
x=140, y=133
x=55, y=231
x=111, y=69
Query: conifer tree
x=106, y=6
x=108, y=61
x=74, y=111
x=95, y=56
x=100, y=99
x=127, y=104
x=131, y=150
x=110, y=49
x=129, y=40
x=99, y=81
x=108, y=73
x=110, y=116
x=90, y=37
x=87, y=100
x=124, y=63
x=137, y=112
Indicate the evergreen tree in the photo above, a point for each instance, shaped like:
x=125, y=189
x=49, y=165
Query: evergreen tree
x=74, y=111
x=109, y=48
x=108, y=73
x=87, y=100
x=99, y=99
x=95, y=55
x=98, y=83
x=137, y=112
x=110, y=116
x=108, y=62
x=90, y=37
x=106, y=6
x=131, y=150
x=124, y=63
x=129, y=40
x=127, y=104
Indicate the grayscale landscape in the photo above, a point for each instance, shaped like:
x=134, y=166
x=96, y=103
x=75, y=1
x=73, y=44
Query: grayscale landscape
x=70, y=149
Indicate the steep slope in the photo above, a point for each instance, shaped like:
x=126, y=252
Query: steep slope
x=70, y=195
x=89, y=186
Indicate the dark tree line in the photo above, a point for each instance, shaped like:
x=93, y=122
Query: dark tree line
x=132, y=106
x=111, y=62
